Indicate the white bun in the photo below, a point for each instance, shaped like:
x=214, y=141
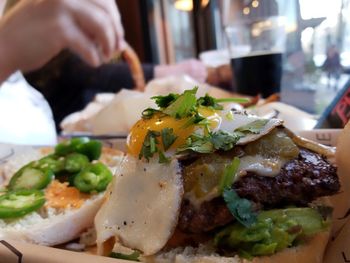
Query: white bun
x=341, y=201
x=310, y=252
x=55, y=229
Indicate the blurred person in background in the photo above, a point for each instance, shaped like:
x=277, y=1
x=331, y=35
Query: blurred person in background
x=32, y=33
x=332, y=66
x=68, y=83
x=71, y=79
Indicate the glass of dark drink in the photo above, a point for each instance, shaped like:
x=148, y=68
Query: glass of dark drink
x=256, y=49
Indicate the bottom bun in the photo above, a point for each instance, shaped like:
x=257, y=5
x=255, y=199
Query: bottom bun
x=341, y=201
x=54, y=229
x=310, y=252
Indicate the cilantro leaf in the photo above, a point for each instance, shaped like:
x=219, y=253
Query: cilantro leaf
x=183, y=105
x=237, y=100
x=168, y=137
x=220, y=140
x=196, y=143
x=163, y=158
x=133, y=256
x=208, y=101
x=240, y=208
x=229, y=175
x=165, y=101
x=148, y=113
x=223, y=140
x=195, y=119
x=149, y=146
x=253, y=127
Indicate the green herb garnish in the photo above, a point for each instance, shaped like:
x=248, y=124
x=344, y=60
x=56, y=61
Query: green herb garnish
x=168, y=138
x=183, y=106
x=253, y=127
x=149, y=146
x=240, y=208
x=186, y=105
x=237, y=100
x=133, y=256
x=229, y=175
x=197, y=143
x=223, y=140
x=208, y=101
x=195, y=119
x=220, y=140
x=165, y=101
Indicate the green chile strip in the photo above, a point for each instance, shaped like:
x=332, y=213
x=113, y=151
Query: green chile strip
x=94, y=178
x=18, y=203
x=29, y=177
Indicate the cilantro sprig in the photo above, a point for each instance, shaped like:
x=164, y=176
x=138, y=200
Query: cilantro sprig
x=186, y=104
x=197, y=143
x=164, y=101
x=229, y=175
x=220, y=140
x=209, y=101
x=183, y=105
x=240, y=208
x=150, y=144
x=253, y=127
x=223, y=140
x=168, y=138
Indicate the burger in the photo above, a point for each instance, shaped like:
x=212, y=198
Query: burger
x=201, y=183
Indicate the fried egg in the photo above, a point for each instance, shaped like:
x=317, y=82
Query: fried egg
x=217, y=120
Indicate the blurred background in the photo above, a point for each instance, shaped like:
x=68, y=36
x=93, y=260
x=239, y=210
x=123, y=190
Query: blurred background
x=167, y=31
x=296, y=50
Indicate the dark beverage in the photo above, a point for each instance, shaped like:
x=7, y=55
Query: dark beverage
x=258, y=73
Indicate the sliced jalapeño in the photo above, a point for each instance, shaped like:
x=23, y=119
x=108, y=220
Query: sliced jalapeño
x=18, y=203
x=91, y=148
x=75, y=162
x=94, y=178
x=29, y=177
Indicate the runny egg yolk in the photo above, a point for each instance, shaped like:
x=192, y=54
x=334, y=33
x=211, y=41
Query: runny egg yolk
x=158, y=122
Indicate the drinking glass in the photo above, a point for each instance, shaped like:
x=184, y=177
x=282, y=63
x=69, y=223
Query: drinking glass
x=256, y=47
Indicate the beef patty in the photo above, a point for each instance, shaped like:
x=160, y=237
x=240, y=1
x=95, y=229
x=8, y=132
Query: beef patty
x=299, y=182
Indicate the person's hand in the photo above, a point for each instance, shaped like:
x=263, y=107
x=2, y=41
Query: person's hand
x=34, y=31
x=192, y=67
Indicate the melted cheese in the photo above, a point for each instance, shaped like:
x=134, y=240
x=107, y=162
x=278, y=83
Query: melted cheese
x=260, y=165
x=240, y=118
x=142, y=206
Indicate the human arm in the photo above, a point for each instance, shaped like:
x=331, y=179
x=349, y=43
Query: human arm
x=34, y=31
